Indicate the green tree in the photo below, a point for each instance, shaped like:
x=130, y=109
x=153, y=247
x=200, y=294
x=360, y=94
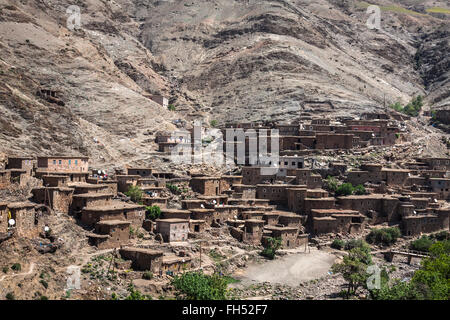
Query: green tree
x=213, y=123
x=384, y=236
x=359, y=190
x=198, y=286
x=344, y=189
x=135, y=193
x=152, y=212
x=354, y=268
x=273, y=244
x=171, y=107
x=136, y=294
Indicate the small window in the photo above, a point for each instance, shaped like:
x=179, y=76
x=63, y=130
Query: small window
x=59, y=161
x=76, y=162
x=70, y=162
x=54, y=161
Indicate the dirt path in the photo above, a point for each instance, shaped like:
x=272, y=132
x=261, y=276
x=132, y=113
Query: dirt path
x=30, y=271
x=290, y=269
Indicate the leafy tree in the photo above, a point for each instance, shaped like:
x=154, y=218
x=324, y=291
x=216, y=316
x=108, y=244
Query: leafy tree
x=273, y=244
x=338, y=244
x=423, y=244
x=359, y=190
x=430, y=282
x=198, y=286
x=135, y=193
x=354, y=268
x=344, y=189
x=385, y=236
x=152, y=212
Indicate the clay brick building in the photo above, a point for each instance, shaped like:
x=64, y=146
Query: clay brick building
x=173, y=230
x=143, y=259
x=22, y=163
x=208, y=186
x=66, y=164
x=110, y=234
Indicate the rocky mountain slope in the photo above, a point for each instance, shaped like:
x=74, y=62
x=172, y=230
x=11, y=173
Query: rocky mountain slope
x=221, y=59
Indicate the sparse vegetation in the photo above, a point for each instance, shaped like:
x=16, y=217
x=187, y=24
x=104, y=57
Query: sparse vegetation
x=171, y=107
x=148, y=275
x=384, y=236
x=337, y=244
x=152, y=212
x=16, y=267
x=135, y=194
x=10, y=296
x=411, y=109
x=198, y=286
x=273, y=244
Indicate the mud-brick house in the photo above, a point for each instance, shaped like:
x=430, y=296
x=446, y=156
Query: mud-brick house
x=441, y=186
x=208, y=215
x=252, y=214
x=417, y=224
x=436, y=163
x=276, y=193
x=88, y=200
x=143, y=172
x=228, y=181
x=66, y=164
x=175, y=214
x=110, y=234
x=207, y=186
x=174, y=264
x=193, y=204
x=289, y=219
x=143, y=259
x=253, y=231
x=288, y=235
x=173, y=230
x=111, y=184
x=124, y=182
x=83, y=188
x=23, y=163
x=197, y=225
x=114, y=211
x=305, y=177
x=24, y=215
x=155, y=201
x=5, y=179
x=57, y=198
x=271, y=217
x=296, y=198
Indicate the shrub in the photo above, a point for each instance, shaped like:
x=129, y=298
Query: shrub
x=173, y=188
x=152, y=212
x=16, y=267
x=356, y=243
x=135, y=193
x=213, y=123
x=423, y=244
x=344, y=189
x=359, y=190
x=384, y=236
x=10, y=296
x=5, y=269
x=136, y=294
x=148, y=275
x=273, y=244
x=338, y=244
x=198, y=286
x=331, y=183
x=171, y=107
x=44, y=283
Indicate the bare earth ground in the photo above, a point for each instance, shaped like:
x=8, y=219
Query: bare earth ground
x=290, y=270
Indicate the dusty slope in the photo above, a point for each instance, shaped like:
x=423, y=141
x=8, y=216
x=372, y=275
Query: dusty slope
x=260, y=59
